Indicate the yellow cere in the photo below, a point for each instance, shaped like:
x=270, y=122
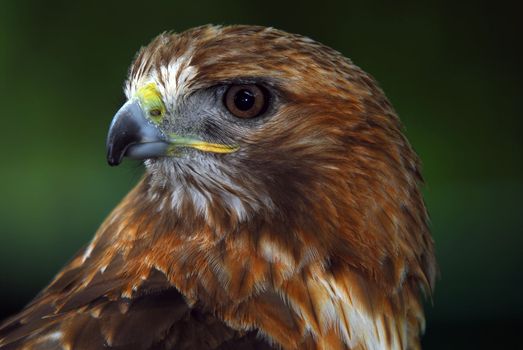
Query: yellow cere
x=151, y=102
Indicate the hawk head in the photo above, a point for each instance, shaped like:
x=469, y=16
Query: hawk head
x=239, y=123
x=283, y=144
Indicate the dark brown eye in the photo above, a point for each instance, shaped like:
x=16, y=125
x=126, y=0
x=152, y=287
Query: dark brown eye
x=245, y=101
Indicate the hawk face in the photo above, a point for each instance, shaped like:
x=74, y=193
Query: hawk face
x=254, y=122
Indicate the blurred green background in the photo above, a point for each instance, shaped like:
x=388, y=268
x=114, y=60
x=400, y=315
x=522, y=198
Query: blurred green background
x=451, y=69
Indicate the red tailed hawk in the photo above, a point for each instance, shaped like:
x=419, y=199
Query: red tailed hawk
x=280, y=208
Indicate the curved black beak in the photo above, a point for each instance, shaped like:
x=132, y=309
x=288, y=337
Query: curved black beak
x=132, y=135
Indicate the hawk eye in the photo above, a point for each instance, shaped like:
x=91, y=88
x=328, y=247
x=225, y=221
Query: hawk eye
x=245, y=101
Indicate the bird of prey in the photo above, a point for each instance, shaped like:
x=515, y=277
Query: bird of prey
x=280, y=208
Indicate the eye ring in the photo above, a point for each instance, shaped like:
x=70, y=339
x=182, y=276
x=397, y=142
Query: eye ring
x=246, y=100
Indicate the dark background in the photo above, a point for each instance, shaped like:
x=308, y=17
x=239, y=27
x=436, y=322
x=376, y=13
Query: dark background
x=452, y=71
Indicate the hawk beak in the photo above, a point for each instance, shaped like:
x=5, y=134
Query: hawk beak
x=132, y=135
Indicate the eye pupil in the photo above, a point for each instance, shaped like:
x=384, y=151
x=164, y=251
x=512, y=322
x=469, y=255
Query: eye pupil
x=244, y=100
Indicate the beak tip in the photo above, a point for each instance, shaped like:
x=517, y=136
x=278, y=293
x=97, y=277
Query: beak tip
x=113, y=159
x=113, y=162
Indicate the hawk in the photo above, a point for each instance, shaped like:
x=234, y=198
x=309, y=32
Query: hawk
x=280, y=208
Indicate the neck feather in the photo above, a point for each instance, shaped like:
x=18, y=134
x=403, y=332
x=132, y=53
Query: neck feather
x=276, y=276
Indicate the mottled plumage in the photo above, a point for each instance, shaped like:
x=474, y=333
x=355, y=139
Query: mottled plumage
x=310, y=232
